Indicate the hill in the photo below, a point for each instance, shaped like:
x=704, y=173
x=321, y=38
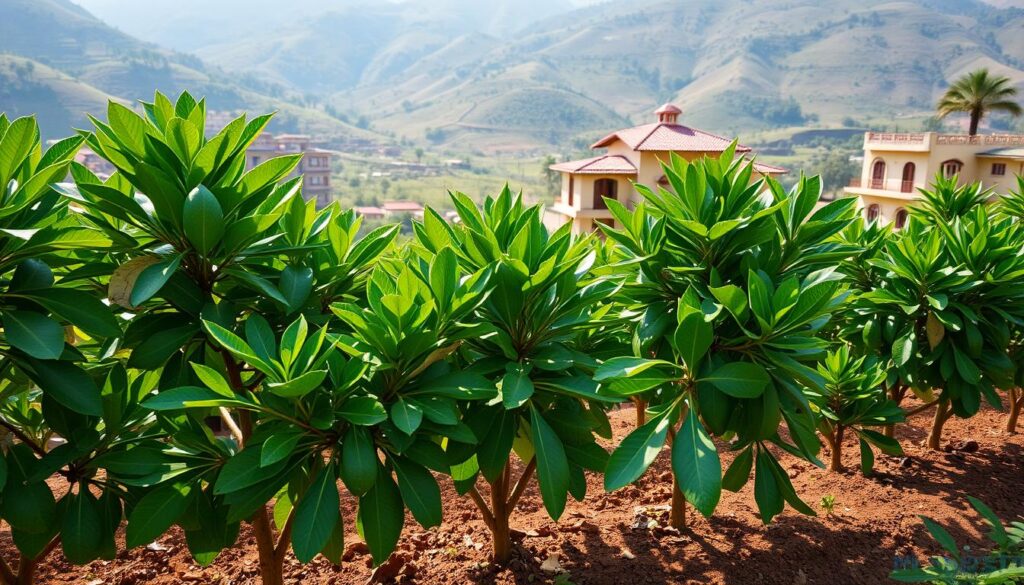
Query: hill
x=61, y=61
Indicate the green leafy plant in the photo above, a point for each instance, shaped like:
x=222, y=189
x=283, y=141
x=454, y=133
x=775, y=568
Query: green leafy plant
x=64, y=416
x=942, y=304
x=1004, y=565
x=726, y=274
x=854, y=399
x=828, y=504
x=542, y=302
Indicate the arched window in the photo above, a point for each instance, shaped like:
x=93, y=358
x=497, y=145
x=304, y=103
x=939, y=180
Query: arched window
x=872, y=214
x=572, y=186
x=908, y=178
x=878, y=174
x=605, y=188
x=901, y=218
x=951, y=168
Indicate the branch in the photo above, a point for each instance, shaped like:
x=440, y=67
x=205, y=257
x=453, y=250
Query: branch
x=229, y=422
x=23, y=437
x=482, y=505
x=524, y=479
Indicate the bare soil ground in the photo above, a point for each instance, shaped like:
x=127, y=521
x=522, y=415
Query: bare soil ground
x=622, y=537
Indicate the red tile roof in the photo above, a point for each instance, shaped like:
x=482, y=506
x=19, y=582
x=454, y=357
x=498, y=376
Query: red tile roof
x=370, y=211
x=394, y=206
x=664, y=137
x=769, y=169
x=598, y=165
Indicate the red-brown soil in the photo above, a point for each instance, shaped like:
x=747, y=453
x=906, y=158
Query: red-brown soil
x=874, y=520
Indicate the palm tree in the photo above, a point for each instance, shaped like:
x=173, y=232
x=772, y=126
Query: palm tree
x=979, y=93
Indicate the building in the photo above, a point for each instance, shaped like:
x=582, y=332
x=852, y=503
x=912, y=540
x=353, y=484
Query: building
x=315, y=165
x=403, y=207
x=896, y=165
x=633, y=155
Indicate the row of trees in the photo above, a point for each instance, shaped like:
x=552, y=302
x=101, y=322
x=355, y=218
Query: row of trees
x=184, y=294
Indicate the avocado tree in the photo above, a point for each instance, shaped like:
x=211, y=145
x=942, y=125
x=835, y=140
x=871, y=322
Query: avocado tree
x=1011, y=206
x=542, y=304
x=729, y=273
x=942, y=303
x=209, y=254
x=854, y=399
x=64, y=410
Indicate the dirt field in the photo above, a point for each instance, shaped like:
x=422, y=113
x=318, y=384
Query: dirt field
x=622, y=537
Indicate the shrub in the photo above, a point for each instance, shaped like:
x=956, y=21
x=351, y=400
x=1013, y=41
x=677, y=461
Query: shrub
x=727, y=277
x=530, y=333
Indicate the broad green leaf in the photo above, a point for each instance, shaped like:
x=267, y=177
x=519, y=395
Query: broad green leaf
x=156, y=512
x=152, y=279
x=420, y=491
x=382, y=517
x=362, y=410
x=280, y=446
x=516, y=388
x=552, y=465
x=82, y=530
x=359, y=460
x=739, y=379
x=243, y=470
x=636, y=453
x=696, y=465
x=213, y=380
x=80, y=308
x=68, y=384
x=627, y=367
x=191, y=397
x=203, y=219
x=300, y=386
x=316, y=515
x=406, y=416
x=766, y=491
x=693, y=338
x=295, y=285
x=34, y=333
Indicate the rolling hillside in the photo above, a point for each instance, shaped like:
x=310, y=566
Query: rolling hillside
x=60, y=61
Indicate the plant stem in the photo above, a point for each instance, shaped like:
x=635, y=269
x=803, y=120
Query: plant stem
x=641, y=411
x=520, y=487
x=499, y=505
x=677, y=515
x=896, y=393
x=941, y=416
x=836, y=462
x=1016, y=405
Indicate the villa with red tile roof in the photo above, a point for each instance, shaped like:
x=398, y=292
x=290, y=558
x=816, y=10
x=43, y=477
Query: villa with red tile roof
x=633, y=155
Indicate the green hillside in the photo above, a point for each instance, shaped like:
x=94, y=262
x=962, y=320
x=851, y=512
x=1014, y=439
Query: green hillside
x=79, y=62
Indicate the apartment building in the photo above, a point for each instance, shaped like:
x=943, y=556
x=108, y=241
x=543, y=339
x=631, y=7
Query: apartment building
x=315, y=165
x=633, y=155
x=896, y=165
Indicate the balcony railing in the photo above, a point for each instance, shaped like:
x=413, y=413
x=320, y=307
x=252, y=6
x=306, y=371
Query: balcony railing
x=854, y=183
x=899, y=185
x=877, y=184
x=897, y=138
x=907, y=186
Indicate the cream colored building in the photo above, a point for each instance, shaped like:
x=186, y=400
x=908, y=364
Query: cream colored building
x=633, y=155
x=896, y=165
x=315, y=166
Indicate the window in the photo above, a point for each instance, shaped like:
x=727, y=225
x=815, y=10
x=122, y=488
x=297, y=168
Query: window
x=951, y=168
x=907, y=186
x=255, y=160
x=901, y=218
x=605, y=188
x=998, y=169
x=572, y=185
x=872, y=214
x=878, y=174
x=314, y=161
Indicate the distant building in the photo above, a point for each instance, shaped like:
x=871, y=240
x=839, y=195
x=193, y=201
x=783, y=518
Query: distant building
x=896, y=165
x=315, y=165
x=410, y=207
x=634, y=155
x=371, y=212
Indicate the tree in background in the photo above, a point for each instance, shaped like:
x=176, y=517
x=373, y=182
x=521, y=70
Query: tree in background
x=979, y=93
x=836, y=170
x=552, y=178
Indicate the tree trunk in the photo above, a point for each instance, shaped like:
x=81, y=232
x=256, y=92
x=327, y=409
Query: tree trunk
x=677, y=516
x=1016, y=404
x=26, y=571
x=836, y=462
x=500, y=534
x=271, y=567
x=941, y=416
x=641, y=411
x=897, y=396
x=975, y=120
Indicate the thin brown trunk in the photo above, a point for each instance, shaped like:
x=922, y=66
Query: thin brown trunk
x=500, y=534
x=836, y=462
x=975, y=120
x=26, y=571
x=271, y=563
x=1016, y=405
x=896, y=394
x=677, y=516
x=941, y=416
x=641, y=411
